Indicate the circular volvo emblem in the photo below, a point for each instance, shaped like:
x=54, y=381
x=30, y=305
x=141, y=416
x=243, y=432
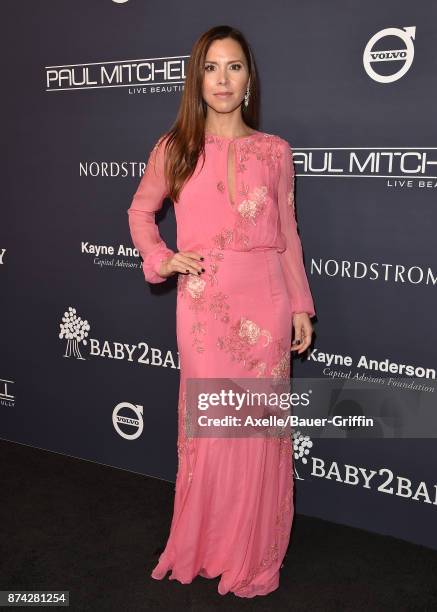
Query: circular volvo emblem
x=128, y=426
x=404, y=54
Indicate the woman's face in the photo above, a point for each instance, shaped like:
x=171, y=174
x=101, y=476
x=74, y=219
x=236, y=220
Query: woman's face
x=225, y=72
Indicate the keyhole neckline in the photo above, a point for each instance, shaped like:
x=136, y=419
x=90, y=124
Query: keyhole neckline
x=231, y=139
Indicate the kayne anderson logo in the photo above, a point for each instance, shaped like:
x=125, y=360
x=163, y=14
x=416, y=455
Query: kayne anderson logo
x=397, y=61
x=383, y=480
x=404, y=166
x=108, y=256
x=333, y=361
x=149, y=75
x=74, y=331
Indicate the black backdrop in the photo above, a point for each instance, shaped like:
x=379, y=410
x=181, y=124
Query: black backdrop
x=88, y=88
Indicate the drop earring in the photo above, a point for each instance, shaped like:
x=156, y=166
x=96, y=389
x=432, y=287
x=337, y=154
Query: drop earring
x=246, y=97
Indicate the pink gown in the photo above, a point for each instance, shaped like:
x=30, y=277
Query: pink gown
x=233, y=506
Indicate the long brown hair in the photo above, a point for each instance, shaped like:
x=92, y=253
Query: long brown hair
x=185, y=139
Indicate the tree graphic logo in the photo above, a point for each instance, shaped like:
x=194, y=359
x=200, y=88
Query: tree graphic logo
x=301, y=448
x=75, y=331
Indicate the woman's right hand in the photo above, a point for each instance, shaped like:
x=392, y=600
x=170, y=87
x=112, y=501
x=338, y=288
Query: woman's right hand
x=184, y=262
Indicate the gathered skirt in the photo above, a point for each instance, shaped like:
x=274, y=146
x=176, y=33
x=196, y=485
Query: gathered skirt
x=233, y=506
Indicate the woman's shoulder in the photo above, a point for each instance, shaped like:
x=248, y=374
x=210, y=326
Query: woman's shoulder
x=277, y=147
x=159, y=146
x=274, y=139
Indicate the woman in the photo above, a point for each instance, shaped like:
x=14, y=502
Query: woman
x=242, y=287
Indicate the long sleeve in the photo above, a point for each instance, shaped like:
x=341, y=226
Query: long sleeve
x=291, y=257
x=146, y=201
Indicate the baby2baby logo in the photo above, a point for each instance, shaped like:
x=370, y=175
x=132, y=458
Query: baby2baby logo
x=383, y=480
x=74, y=331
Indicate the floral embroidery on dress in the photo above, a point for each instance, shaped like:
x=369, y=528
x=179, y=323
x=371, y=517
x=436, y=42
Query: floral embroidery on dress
x=242, y=239
x=220, y=307
x=185, y=442
x=223, y=239
x=245, y=333
x=253, y=203
x=281, y=369
x=194, y=286
x=270, y=154
x=210, y=138
x=252, y=332
x=268, y=149
x=212, y=273
x=182, y=279
x=197, y=329
x=286, y=449
x=290, y=200
x=221, y=141
x=257, y=364
x=251, y=208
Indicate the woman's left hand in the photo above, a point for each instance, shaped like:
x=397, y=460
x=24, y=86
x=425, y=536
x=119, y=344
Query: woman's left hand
x=303, y=331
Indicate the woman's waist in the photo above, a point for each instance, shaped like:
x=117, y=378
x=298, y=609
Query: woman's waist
x=232, y=250
x=240, y=271
x=241, y=261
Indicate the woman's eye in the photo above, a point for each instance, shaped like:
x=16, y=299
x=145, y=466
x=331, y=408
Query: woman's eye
x=233, y=66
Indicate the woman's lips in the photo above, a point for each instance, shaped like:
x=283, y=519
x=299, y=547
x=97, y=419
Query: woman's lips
x=223, y=95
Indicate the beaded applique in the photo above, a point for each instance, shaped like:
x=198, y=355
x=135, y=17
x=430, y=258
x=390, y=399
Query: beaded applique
x=242, y=336
x=195, y=286
x=197, y=329
x=185, y=441
x=253, y=206
x=220, y=307
x=251, y=202
x=223, y=239
x=268, y=150
x=281, y=368
x=290, y=199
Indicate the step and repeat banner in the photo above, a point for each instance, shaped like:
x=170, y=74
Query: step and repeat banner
x=89, y=364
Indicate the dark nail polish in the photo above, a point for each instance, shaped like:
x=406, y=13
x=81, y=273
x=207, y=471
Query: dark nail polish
x=199, y=272
x=203, y=269
x=202, y=258
x=186, y=270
